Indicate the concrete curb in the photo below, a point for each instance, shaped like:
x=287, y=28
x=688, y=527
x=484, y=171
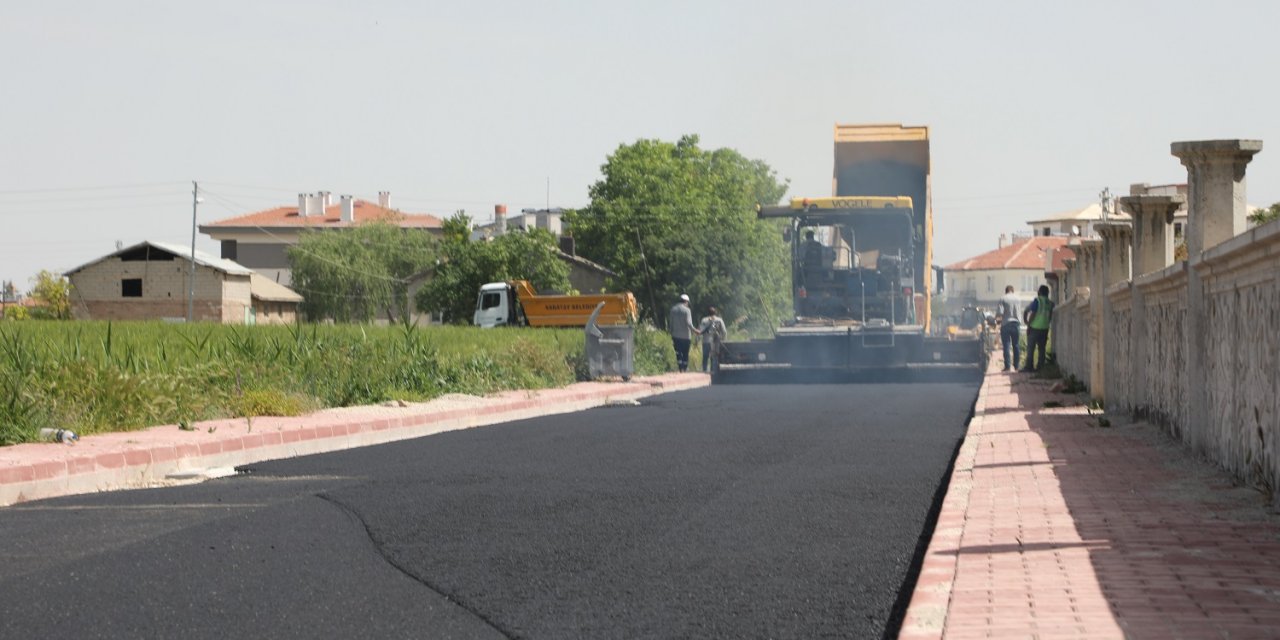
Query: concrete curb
x=926, y=615
x=144, y=458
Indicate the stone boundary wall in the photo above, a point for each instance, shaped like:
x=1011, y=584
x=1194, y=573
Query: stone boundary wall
x=1193, y=346
x=1242, y=290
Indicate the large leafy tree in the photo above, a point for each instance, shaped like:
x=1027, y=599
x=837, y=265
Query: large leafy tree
x=465, y=266
x=53, y=291
x=361, y=273
x=672, y=218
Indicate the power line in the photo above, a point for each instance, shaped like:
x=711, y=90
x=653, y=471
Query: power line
x=100, y=198
x=99, y=188
x=5, y=211
x=1022, y=194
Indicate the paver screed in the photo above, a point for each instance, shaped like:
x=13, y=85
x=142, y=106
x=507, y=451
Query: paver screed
x=1055, y=526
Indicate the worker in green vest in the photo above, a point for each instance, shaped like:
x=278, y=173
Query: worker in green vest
x=1039, y=317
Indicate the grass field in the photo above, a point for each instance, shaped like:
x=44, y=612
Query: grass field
x=93, y=377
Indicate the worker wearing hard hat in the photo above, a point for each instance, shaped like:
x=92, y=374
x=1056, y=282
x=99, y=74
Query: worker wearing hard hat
x=682, y=331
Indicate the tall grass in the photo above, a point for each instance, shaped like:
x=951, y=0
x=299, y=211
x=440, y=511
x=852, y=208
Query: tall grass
x=96, y=376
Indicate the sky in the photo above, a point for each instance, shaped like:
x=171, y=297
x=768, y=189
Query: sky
x=112, y=109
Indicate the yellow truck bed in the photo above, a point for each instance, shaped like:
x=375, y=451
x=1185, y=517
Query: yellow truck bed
x=574, y=311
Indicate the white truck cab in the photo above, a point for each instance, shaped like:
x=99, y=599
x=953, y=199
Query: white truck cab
x=497, y=306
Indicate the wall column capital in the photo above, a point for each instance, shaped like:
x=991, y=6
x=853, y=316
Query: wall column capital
x=1216, y=182
x=1069, y=277
x=1152, y=240
x=1117, y=237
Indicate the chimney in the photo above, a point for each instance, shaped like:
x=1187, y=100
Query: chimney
x=348, y=208
x=1004, y=240
x=302, y=204
x=313, y=205
x=325, y=200
x=384, y=199
x=499, y=219
x=1048, y=259
x=566, y=245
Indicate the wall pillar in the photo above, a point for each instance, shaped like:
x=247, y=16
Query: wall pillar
x=1066, y=350
x=1089, y=287
x=1216, y=211
x=1069, y=278
x=1152, y=251
x=1117, y=241
x=1152, y=234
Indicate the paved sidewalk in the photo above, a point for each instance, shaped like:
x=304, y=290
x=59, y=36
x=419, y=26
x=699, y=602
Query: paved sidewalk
x=167, y=454
x=1056, y=527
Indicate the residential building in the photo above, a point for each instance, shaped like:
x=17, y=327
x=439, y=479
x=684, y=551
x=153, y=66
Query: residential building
x=1022, y=262
x=260, y=240
x=585, y=276
x=152, y=281
x=1077, y=222
x=549, y=220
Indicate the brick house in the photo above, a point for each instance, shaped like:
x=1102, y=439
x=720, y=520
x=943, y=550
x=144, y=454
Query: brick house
x=150, y=281
x=260, y=240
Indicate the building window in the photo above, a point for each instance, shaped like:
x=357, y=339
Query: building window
x=228, y=249
x=1177, y=229
x=1046, y=231
x=131, y=288
x=991, y=284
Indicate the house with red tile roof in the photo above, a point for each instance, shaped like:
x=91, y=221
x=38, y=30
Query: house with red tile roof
x=260, y=240
x=980, y=281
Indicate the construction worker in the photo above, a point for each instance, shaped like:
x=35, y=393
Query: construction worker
x=1039, y=317
x=713, y=333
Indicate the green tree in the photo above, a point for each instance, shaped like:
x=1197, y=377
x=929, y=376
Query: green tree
x=1263, y=216
x=672, y=218
x=465, y=266
x=53, y=291
x=358, y=274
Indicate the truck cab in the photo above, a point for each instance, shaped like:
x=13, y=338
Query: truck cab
x=498, y=306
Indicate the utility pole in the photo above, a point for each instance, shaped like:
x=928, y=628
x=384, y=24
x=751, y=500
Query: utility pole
x=658, y=319
x=191, y=279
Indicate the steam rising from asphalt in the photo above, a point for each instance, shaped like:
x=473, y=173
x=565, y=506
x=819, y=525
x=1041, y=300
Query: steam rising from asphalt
x=787, y=375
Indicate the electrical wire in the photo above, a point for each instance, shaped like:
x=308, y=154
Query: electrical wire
x=99, y=188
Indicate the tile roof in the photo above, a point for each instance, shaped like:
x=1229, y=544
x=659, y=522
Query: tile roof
x=364, y=210
x=1022, y=253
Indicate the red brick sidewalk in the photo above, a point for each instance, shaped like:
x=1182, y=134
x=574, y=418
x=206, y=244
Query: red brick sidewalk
x=1056, y=527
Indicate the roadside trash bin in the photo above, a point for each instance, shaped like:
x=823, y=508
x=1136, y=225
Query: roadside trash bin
x=610, y=349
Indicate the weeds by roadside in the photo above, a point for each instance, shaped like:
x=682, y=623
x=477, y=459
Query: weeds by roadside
x=93, y=377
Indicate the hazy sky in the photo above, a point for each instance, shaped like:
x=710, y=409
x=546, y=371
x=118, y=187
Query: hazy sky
x=111, y=109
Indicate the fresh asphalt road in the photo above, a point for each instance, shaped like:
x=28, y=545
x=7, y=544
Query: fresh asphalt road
x=727, y=512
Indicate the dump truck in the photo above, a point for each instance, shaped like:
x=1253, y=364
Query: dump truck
x=515, y=303
x=861, y=271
